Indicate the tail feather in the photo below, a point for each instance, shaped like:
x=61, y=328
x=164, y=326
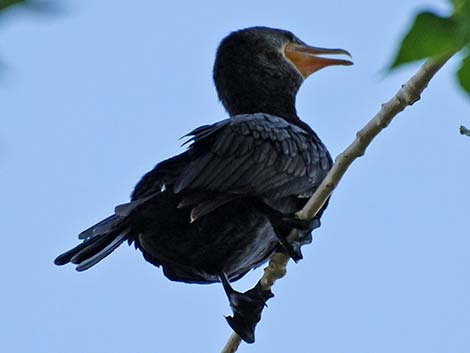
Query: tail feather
x=65, y=258
x=102, y=227
x=94, y=247
x=85, y=265
x=100, y=240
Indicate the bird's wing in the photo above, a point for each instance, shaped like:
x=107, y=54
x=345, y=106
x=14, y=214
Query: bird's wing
x=255, y=155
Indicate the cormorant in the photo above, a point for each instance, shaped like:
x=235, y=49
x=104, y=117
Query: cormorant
x=222, y=207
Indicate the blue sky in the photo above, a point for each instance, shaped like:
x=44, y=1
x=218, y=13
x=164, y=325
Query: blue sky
x=95, y=97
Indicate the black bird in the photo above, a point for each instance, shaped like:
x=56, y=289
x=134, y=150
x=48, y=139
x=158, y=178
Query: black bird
x=222, y=207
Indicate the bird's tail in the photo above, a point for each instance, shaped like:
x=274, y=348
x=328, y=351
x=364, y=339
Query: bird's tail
x=99, y=241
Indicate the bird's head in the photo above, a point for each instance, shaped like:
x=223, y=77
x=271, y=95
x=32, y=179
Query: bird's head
x=260, y=69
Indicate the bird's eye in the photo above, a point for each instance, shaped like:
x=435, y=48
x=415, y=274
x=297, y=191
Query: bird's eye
x=292, y=38
x=296, y=40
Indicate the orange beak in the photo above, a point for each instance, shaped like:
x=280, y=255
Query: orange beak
x=305, y=58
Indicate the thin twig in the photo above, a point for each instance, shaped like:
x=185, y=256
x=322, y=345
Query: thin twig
x=408, y=94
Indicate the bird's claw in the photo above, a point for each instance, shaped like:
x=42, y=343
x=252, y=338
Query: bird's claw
x=246, y=307
x=283, y=227
x=294, y=221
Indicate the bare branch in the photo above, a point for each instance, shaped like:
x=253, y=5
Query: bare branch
x=408, y=94
x=232, y=343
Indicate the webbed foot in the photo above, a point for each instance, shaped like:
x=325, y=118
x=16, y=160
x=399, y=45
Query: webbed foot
x=282, y=227
x=284, y=223
x=246, y=307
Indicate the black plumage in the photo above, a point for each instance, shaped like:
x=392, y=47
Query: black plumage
x=223, y=206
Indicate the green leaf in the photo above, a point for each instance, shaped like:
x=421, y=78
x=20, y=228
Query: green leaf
x=460, y=4
x=7, y=3
x=430, y=35
x=463, y=75
x=36, y=6
x=462, y=16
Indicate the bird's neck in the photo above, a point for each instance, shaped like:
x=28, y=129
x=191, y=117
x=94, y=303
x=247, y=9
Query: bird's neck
x=282, y=106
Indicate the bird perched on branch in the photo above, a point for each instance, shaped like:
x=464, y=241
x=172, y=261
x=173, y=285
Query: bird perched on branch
x=222, y=207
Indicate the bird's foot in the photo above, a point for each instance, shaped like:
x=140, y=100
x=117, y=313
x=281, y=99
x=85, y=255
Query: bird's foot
x=246, y=307
x=284, y=223
x=283, y=226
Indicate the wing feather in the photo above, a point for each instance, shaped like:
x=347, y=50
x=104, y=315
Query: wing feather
x=256, y=154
